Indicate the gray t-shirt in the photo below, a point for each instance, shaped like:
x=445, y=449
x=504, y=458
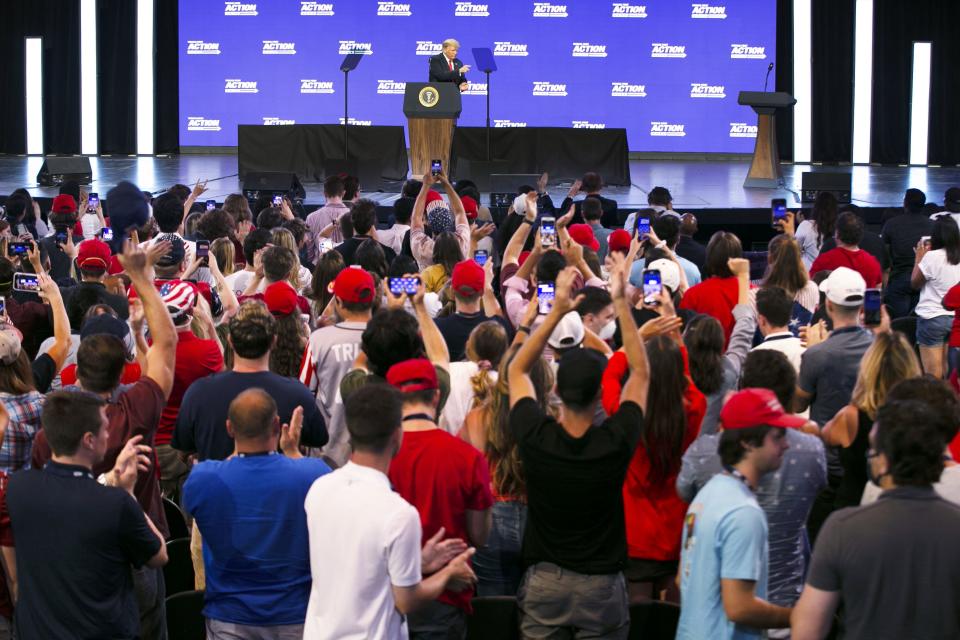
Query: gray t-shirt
x=894, y=564
x=828, y=371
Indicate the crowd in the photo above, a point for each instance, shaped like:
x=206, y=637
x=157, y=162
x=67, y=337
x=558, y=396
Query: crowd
x=371, y=419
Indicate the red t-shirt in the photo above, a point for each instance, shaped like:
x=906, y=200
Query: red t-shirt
x=442, y=476
x=860, y=261
x=715, y=297
x=196, y=358
x=951, y=302
x=131, y=373
x=6, y=540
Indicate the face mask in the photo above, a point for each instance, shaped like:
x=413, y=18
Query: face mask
x=606, y=331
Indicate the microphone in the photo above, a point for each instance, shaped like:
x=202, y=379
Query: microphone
x=767, y=79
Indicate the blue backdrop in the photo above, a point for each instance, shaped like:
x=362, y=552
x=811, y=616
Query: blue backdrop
x=666, y=70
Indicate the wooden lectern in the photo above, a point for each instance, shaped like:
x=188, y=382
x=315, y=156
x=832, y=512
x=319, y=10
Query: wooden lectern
x=765, y=170
x=432, y=109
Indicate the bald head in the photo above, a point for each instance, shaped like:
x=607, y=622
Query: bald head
x=253, y=416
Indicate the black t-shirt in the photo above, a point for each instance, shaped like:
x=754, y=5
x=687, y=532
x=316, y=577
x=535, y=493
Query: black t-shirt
x=456, y=329
x=692, y=250
x=75, y=543
x=60, y=262
x=609, y=218
x=894, y=563
x=348, y=249
x=901, y=234
x=202, y=421
x=118, y=303
x=575, y=488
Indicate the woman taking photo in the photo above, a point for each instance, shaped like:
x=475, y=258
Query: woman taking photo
x=816, y=228
x=936, y=269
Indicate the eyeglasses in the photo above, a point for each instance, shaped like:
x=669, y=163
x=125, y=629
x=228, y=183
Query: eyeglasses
x=872, y=453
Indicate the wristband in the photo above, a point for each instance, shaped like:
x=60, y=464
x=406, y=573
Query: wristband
x=523, y=329
x=529, y=222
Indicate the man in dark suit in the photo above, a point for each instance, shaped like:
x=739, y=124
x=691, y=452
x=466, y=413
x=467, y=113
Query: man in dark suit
x=447, y=67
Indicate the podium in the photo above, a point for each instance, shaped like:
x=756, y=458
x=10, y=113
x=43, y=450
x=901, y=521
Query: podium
x=765, y=170
x=432, y=109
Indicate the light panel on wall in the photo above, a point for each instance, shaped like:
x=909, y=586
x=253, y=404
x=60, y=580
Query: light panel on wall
x=89, y=134
x=862, y=81
x=33, y=94
x=920, y=103
x=802, y=80
x=145, y=115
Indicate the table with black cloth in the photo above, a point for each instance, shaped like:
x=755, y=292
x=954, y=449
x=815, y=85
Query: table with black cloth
x=303, y=148
x=564, y=153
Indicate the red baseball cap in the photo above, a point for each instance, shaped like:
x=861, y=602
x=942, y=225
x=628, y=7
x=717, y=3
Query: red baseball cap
x=582, y=234
x=619, y=240
x=353, y=284
x=468, y=278
x=280, y=298
x=433, y=196
x=64, y=203
x=93, y=254
x=756, y=408
x=413, y=375
x=470, y=206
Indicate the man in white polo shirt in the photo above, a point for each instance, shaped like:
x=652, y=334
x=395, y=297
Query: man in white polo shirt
x=365, y=553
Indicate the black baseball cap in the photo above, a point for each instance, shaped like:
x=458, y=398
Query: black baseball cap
x=178, y=250
x=578, y=376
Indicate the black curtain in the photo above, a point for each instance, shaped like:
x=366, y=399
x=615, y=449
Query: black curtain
x=783, y=75
x=57, y=22
x=897, y=25
x=166, y=102
x=117, y=59
x=832, y=27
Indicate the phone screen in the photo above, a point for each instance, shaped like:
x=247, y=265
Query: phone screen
x=548, y=231
x=872, y=301
x=93, y=201
x=62, y=237
x=107, y=234
x=545, y=294
x=399, y=286
x=652, y=286
x=324, y=245
x=778, y=207
x=436, y=167
x=480, y=257
x=26, y=282
x=211, y=205
x=18, y=248
x=203, y=248
x=3, y=306
x=643, y=227
x=277, y=201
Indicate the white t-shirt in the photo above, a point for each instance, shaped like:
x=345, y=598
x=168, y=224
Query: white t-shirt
x=363, y=538
x=806, y=237
x=941, y=276
x=461, y=395
x=948, y=487
x=238, y=281
x=786, y=344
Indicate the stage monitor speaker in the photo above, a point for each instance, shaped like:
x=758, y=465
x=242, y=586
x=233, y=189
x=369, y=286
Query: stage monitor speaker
x=257, y=183
x=504, y=186
x=813, y=182
x=55, y=171
x=479, y=171
x=369, y=170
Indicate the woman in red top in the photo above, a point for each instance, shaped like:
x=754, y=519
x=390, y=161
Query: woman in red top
x=717, y=295
x=653, y=511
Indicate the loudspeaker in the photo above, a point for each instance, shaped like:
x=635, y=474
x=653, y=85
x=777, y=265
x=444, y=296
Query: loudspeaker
x=257, y=183
x=479, y=171
x=368, y=170
x=55, y=171
x=813, y=182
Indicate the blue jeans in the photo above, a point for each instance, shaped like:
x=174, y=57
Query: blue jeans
x=498, y=564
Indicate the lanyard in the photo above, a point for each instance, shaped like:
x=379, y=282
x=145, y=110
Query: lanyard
x=736, y=474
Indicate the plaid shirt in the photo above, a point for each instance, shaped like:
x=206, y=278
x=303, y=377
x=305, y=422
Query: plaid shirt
x=24, y=412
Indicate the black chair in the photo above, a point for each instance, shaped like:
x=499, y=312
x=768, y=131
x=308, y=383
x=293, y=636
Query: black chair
x=494, y=617
x=176, y=521
x=654, y=620
x=185, y=616
x=178, y=573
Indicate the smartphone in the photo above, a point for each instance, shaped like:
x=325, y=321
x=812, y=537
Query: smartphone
x=26, y=282
x=481, y=256
x=324, y=245
x=778, y=209
x=3, y=306
x=211, y=205
x=436, y=167
x=203, y=249
x=106, y=234
x=277, y=201
x=643, y=227
x=548, y=231
x=16, y=249
x=93, y=201
x=546, y=292
x=872, y=303
x=925, y=240
x=62, y=237
x=399, y=286
x=652, y=286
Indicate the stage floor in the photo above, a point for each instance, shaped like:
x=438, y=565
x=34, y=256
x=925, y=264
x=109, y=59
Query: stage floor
x=695, y=184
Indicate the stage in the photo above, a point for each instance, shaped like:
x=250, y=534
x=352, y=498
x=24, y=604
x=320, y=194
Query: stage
x=696, y=185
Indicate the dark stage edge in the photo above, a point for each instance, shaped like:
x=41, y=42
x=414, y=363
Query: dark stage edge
x=696, y=185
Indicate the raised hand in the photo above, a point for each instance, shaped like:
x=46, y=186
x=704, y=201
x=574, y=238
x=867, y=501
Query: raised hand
x=564, y=302
x=290, y=434
x=133, y=458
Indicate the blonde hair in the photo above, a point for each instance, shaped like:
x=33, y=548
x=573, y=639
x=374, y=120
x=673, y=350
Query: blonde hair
x=485, y=346
x=450, y=42
x=284, y=238
x=889, y=360
x=226, y=255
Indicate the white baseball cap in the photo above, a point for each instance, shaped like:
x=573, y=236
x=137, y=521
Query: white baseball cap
x=568, y=333
x=669, y=273
x=845, y=287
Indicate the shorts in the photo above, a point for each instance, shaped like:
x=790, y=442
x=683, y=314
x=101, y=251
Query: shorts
x=933, y=332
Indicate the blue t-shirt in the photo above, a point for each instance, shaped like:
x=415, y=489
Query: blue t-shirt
x=691, y=270
x=724, y=536
x=255, y=544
